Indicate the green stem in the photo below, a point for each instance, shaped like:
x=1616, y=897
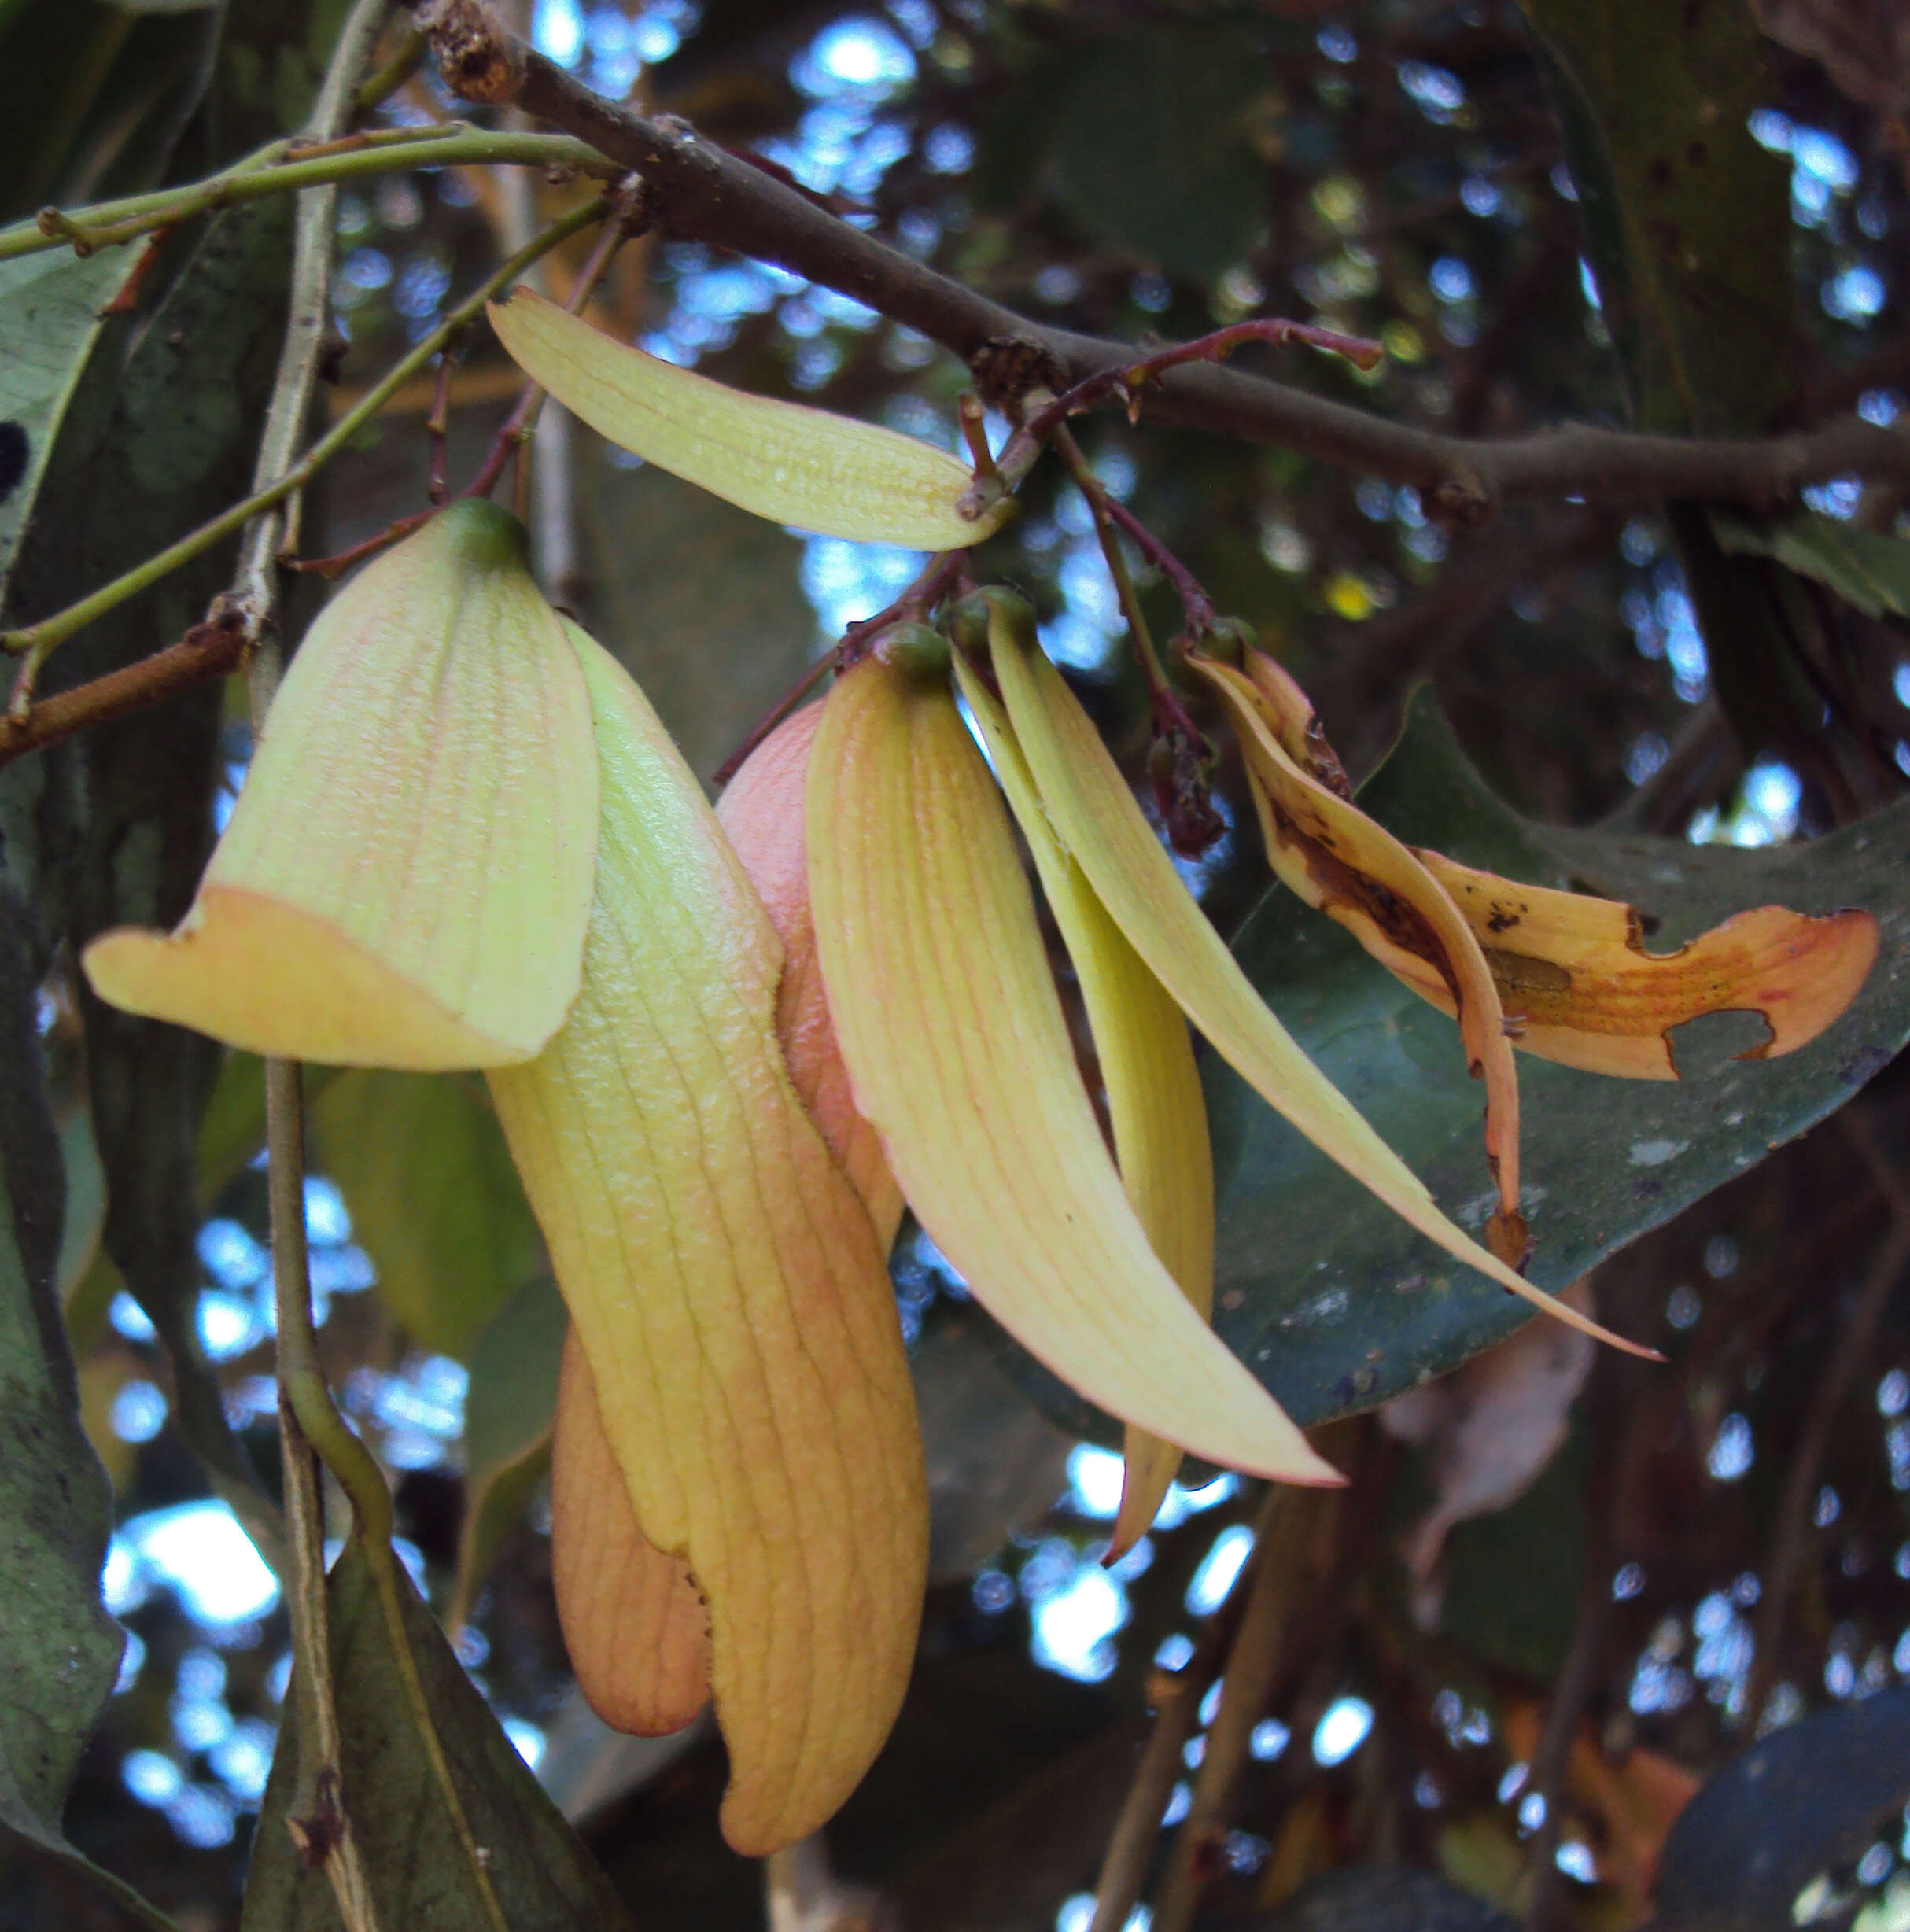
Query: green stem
x=304, y=1390
x=39, y=640
x=281, y=170
x=406, y=57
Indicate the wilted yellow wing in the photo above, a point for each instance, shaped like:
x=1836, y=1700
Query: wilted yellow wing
x=406, y=874
x=1574, y=979
x=791, y=464
x=1579, y=987
x=953, y=1032
x=1155, y=1103
x=1096, y=815
x=633, y=1622
x=729, y=1293
x=1339, y=861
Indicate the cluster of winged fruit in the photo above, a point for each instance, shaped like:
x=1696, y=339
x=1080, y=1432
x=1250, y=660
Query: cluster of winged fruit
x=725, y=1046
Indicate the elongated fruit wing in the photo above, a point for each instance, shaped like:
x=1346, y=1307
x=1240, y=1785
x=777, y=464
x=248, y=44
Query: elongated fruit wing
x=1096, y=817
x=728, y=1292
x=783, y=461
x=406, y=874
x=1154, y=1103
x=633, y=1622
x=953, y=1035
x=1578, y=986
x=1340, y=861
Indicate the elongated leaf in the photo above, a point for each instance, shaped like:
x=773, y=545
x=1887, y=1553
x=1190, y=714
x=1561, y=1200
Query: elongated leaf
x=1096, y=814
x=1338, y=1308
x=1336, y=859
x=1870, y=568
x=59, y=1649
x=955, y=1040
x=406, y=877
x=160, y=429
x=820, y=472
x=633, y=1622
x=434, y=1200
x=420, y=1874
x=49, y=320
x=729, y=1293
x=1688, y=230
x=509, y=1406
x=1686, y=217
x=1147, y=1066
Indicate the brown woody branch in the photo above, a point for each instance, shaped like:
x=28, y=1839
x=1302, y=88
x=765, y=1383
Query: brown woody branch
x=704, y=194
x=208, y=649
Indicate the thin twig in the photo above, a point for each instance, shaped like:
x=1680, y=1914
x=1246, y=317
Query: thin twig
x=1295, y=1523
x=1180, y=756
x=385, y=151
x=407, y=55
x=1177, y=1706
x=318, y=1818
x=1129, y=381
x=1196, y=607
x=437, y=423
x=703, y=193
x=208, y=651
x=1170, y=712
x=308, y=1417
x=39, y=640
x=1604, y=1407
x=508, y=442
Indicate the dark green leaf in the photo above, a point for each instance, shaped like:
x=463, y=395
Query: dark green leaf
x=172, y=449
x=1152, y=148
x=59, y=1649
x=1687, y=229
x=94, y=99
x=509, y=1411
x=1333, y=1302
x=421, y=1877
x=1687, y=219
x=49, y=319
x=1806, y=1801
x=1866, y=568
x=1511, y=1596
x=434, y=1198
x=161, y=429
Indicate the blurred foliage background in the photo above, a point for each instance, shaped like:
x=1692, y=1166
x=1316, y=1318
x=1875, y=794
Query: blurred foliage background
x=1684, y=1559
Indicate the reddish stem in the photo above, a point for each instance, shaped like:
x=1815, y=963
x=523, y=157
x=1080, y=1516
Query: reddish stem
x=945, y=572
x=332, y=566
x=208, y=649
x=1126, y=380
x=1196, y=605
